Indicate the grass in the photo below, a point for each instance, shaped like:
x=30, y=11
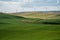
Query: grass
x=12, y=28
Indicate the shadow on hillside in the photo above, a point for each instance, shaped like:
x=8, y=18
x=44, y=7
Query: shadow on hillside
x=7, y=17
x=55, y=23
x=40, y=22
x=56, y=39
x=18, y=17
x=4, y=17
x=3, y=23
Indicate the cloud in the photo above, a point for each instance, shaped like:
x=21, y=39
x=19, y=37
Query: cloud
x=10, y=6
x=28, y=5
x=47, y=8
x=31, y=3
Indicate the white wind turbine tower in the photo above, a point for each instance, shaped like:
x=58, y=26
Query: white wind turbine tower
x=23, y=2
x=16, y=7
x=34, y=8
x=58, y=1
x=46, y=8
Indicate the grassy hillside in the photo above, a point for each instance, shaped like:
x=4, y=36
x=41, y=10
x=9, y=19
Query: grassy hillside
x=41, y=15
x=19, y=28
x=6, y=16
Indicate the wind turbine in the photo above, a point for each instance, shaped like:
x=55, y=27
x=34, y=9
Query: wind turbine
x=58, y=1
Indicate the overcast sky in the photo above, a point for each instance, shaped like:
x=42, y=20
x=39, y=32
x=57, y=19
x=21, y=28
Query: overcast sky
x=29, y=5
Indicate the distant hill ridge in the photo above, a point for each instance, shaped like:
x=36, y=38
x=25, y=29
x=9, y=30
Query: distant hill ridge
x=42, y=15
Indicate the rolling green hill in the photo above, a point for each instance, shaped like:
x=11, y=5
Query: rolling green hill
x=19, y=28
x=6, y=16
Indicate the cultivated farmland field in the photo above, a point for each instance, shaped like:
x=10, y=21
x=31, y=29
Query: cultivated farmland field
x=41, y=15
